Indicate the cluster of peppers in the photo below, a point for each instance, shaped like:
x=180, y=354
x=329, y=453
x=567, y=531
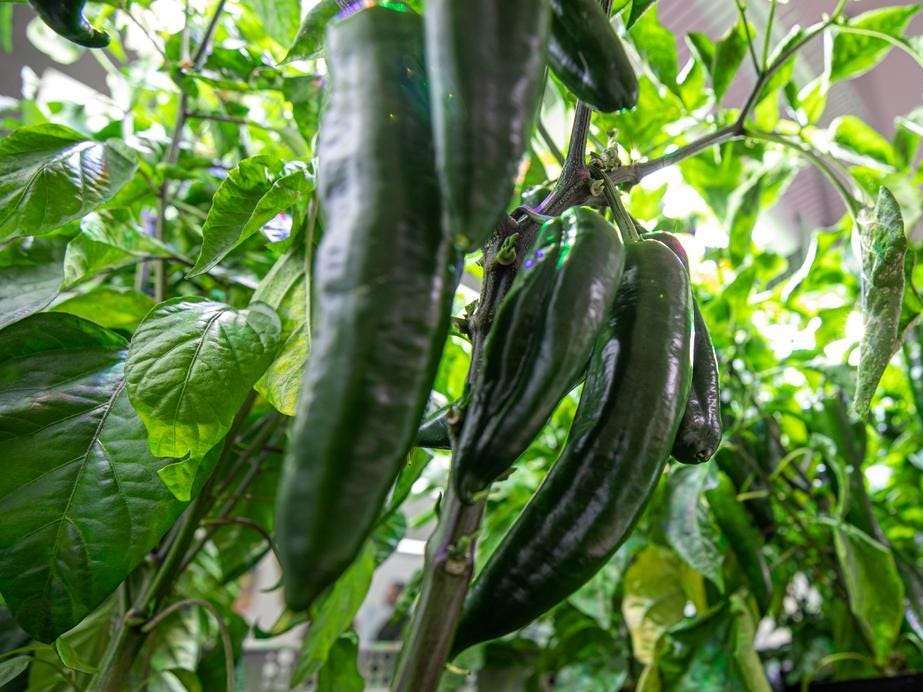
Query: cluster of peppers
x=419, y=146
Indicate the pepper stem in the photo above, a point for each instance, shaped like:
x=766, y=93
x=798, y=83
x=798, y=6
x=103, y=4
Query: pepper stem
x=622, y=218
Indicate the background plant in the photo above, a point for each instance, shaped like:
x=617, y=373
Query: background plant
x=147, y=237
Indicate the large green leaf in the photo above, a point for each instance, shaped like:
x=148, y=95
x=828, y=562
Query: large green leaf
x=333, y=615
x=103, y=245
x=285, y=289
x=874, y=586
x=853, y=54
x=280, y=18
x=341, y=672
x=191, y=364
x=310, y=39
x=50, y=174
x=721, y=59
x=657, y=45
x=30, y=277
x=884, y=249
x=714, y=652
x=254, y=192
x=742, y=217
x=80, y=501
x=115, y=308
x=689, y=531
x=654, y=598
x=854, y=135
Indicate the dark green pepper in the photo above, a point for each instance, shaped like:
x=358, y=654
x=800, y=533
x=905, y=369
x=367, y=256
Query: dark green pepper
x=632, y=403
x=745, y=540
x=434, y=432
x=700, y=432
x=486, y=63
x=65, y=18
x=539, y=344
x=383, y=290
x=587, y=55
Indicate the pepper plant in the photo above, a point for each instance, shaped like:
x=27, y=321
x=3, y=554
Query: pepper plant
x=186, y=258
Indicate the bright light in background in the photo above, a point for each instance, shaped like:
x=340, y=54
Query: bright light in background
x=878, y=476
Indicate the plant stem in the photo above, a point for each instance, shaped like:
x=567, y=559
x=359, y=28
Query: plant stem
x=448, y=568
x=742, y=11
x=622, y=218
x=853, y=205
x=549, y=142
x=767, y=39
x=182, y=114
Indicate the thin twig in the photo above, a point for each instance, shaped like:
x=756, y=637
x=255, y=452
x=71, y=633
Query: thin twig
x=182, y=113
x=220, y=117
x=767, y=39
x=225, y=635
x=853, y=205
x=145, y=31
x=549, y=142
x=752, y=50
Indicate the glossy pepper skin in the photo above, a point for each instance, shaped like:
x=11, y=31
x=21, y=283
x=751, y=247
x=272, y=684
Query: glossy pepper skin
x=700, y=432
x=486, y=62
x=587, y=55
x=632, y=403
x=65, y=18
x=383, y=289
x=539, y=344
x=434, y=432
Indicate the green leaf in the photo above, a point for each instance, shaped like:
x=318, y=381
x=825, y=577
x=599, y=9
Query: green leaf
x=812, y=99
x=280, y=18
x=745, y=210
x=714, y=652
x=11, y=668
x=689, y=532
x=729, y=53
x=715, y=174
x=191, y=364
x=285, y=289
x=80, y=502
x=333, y=615
x=854, y=54
x=310, y=39
x=657, y=45
x=254, y=192
x=654, y=598
x=874, y=586
x=854, y=135
x=50, y=174
x=341, y=671
x=103, y=245
x=703, y=48
x=108, y=306
x=646, y=204
x=635, y=9
x=741, y=535
x=907, y=136
x=883, y=248
x=30, y=278
x=417, y=462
